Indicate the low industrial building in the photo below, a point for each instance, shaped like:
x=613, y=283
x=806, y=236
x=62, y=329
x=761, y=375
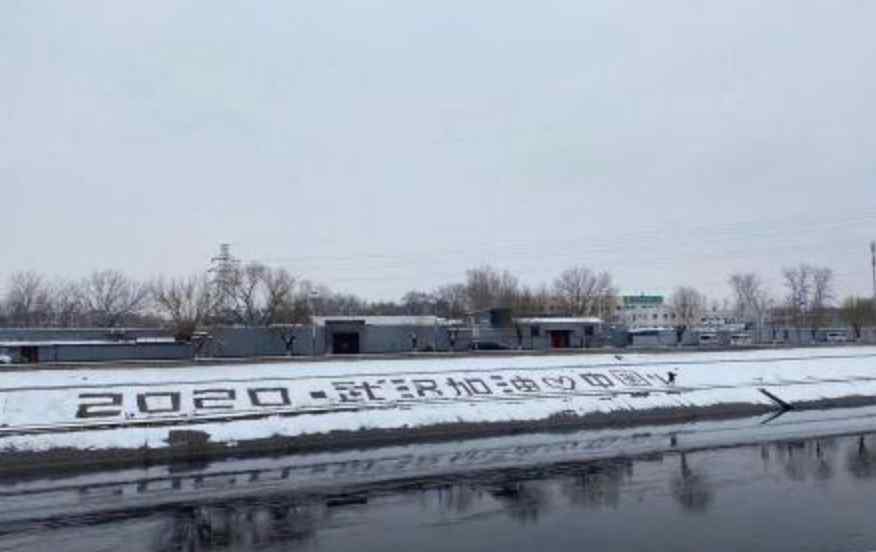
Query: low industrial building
x=559, y=333
x=260, y=341
x=35, y=352
x=339, y=335
x=497, y=328
x=351, y=335
x=83, y=334
x=644, y=312
x=652, y=337
x=386, y=334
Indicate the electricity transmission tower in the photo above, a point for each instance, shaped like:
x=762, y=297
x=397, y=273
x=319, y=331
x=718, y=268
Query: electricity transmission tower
x=225, y=270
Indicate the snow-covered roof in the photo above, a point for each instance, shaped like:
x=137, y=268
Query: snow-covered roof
x=650, y=329
x=84, y=342
x=426, y=320
x=566, y=320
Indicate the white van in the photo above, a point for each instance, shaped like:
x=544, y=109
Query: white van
x=740, y=339
x=837, y=336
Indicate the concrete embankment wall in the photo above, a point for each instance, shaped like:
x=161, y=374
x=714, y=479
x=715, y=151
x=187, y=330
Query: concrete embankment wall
x=94, y=416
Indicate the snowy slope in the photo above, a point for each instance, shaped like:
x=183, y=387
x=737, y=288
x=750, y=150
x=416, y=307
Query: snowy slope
x=131, y=408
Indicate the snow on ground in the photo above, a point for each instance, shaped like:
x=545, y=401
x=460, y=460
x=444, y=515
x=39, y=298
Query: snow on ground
x=131, y=408
x=690, y=364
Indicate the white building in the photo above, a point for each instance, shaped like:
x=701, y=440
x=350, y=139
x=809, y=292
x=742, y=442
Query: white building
x=644, y=311
x=651, y=311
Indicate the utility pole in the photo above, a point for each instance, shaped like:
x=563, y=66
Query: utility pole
x=311, y=296
x=873, y=262
x=435, y=325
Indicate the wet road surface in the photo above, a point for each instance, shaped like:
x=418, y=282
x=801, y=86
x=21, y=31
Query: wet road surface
x=801, y=494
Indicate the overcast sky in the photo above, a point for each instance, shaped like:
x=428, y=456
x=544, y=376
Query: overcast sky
x=381, y=146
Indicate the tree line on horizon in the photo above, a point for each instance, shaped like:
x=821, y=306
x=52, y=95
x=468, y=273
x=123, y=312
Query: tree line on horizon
x=254, y=294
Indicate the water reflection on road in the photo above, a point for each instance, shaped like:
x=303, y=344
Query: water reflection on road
x=814, y=494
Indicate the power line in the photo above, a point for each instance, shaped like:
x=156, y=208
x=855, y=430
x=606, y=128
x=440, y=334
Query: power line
x=699, y=236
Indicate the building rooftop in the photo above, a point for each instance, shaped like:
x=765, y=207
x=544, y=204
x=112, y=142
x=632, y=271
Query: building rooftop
x=651, y=300
x=84, y=342
x=426, y=320
x=650, y=329
x=559, y=320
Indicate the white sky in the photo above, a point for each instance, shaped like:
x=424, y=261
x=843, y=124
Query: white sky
x=384, y=146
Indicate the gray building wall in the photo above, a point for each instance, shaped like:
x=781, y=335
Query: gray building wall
x=80, y=334
x=105, y=352
x=657, y=338
x=121, y=351
x=115, y=344
x=233, y=342
x=397, y=339
x=254, y=342
x=521, y=335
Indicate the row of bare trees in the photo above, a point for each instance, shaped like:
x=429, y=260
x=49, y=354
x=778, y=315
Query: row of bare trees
x=106, y=298
x=254, y=294
x=859, y=313
x=809, y=302
x=810, y=295
x=577, y=291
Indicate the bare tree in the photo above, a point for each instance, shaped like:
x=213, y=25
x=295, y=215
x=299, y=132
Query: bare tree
x=582, y=292
x=606, y=304
x=315, y=299
x=451, y=300
x=798, y=282
x=245, y=292
x=66, y=302
x=258, y=295
x=320, y=300
x=110, y=297
x=822, y=298
x=305, y=301
x=343, y=304
x=752, y=300
x=858, y=312
x=507, y=289
x=27, y=299
x=688, y=305
x=188, y=302
x=418, y=303
x=479, y=288
x=279, y=287
x=486, y=287
x=534, y=301
x=810, y=294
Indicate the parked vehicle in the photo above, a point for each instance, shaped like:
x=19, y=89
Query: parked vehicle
x=837, y=337
x=5, y=359
x=709, y=338
x=740, y=339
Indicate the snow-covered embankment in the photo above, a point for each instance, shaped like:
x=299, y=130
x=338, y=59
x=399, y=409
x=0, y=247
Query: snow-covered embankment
x=124, y=415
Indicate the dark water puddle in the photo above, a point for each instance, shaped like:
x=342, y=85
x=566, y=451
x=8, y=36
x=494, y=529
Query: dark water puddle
x=817, y=494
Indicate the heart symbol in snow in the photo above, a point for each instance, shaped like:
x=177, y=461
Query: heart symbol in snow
x=563, y=382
